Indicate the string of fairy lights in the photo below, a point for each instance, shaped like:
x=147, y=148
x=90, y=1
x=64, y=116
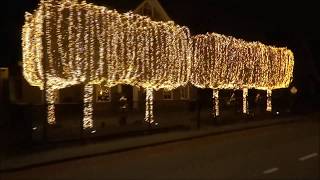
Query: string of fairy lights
x=88, y=109
x=215, y=106
x=269, y=96
x=70, y=42
x=245, y=101
x=149, y=106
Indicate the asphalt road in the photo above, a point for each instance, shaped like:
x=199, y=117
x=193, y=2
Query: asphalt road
x=287, y=151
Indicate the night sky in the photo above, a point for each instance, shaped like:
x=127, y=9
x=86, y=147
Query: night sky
x=294, y=25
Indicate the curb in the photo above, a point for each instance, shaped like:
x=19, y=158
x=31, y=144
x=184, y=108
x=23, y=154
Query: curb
x=182, y=136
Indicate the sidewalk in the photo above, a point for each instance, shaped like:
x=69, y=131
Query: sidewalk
x=119, y=145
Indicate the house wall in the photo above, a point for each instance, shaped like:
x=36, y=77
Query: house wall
x=31, y=94
x=111, y=107
x=73, y=94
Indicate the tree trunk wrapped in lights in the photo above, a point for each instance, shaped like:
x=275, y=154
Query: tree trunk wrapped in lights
x=215, y=100
x=245, y=106
x=88, y=106
x=149, y=106
x=50, y=99
x=269, y=100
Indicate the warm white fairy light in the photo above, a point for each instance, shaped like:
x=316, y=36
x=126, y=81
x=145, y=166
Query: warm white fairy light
x=38, y=41
x=104, y=90
x=72, y=35
x=245, y=101
x=215, y=100
x=32, y=48
x=50, y=98
x=88, y=106
x=269, y=100
x=101, y=34
x=149, y=106
x=48, y=34
x=26, y=47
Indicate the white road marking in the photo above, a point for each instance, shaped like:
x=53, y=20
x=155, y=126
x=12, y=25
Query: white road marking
x=303, y=158
x=268, y=171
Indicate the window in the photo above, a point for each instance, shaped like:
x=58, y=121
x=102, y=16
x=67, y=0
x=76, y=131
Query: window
x=184, y=92
x=167, y=95
x=103, y=94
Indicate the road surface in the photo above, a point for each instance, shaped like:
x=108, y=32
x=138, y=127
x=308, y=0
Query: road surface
x=286, y=151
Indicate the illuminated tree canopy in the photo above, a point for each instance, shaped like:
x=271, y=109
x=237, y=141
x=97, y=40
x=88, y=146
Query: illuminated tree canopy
x=82, y=43
x=221, y=62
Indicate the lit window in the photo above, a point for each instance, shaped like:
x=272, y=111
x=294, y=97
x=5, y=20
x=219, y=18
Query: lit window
x=103, y=94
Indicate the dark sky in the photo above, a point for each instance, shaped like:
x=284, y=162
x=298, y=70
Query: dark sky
x=292, y=24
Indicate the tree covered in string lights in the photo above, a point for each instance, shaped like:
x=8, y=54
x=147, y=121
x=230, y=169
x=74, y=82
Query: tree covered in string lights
x=70, y=42
x=224, y=62
x=67, y=43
